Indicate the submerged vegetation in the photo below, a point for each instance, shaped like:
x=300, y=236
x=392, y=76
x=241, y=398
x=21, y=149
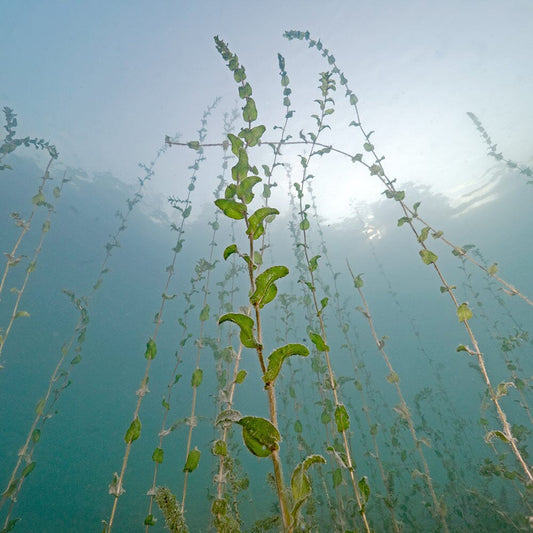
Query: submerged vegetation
x=332, y=438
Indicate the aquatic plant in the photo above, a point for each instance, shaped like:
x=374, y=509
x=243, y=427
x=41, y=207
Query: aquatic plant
x=363, y=456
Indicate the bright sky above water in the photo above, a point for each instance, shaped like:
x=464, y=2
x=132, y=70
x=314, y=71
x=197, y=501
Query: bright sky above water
x=106, y=81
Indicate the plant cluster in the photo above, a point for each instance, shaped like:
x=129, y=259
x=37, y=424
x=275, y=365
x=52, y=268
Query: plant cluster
x=364, y=453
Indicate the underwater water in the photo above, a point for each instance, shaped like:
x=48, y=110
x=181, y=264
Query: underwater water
x=282, y=320
x=83, y=443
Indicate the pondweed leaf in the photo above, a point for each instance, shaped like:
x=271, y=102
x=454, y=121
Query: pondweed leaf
x=276, y=358
x=249, y=111
x=241, y=375
x=231, y=208
x=197, y=377
x=464, y=312
x=151, y=349
x=231, y=249
x=133, y=432
x=256, y=220
x=260, y=435
x=265, y=289
x=158, y=455
x=301, y=484
x=192, y=461
x=252, y=135
x=318, y=341
x=245, y=187
x=428, y=257
x=341, y=418
x=245, y=323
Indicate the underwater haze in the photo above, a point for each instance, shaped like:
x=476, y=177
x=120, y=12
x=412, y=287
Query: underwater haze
x=266, y=267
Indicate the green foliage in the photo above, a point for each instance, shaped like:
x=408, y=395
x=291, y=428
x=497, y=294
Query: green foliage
x=318, y=341
x=171, y=509
x=301, y=484
x=342, y=418
x=151, y=349
x=260, y=435
x=193, y=459
x=246, y=325
x=266, y=290
x=133, y=432
x=276, y=358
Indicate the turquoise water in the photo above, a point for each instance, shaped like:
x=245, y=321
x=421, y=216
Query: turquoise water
x=83, y=443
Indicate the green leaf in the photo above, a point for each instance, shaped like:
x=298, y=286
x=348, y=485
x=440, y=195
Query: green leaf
x=19, y=314
x=276, y=358
x=260, y=435
x=150, y=520
x=304, y=224
x=236, y=143
x=197, y=377
x=204, y=315
x=255, y=222
x=403, y=220
x=244, y=188
x=133, y=432
x=265, y=289
x=341, y=418
x=38, y=199
x=298, y=427
x=337, y=477
x=192, y=461
x=423, y=234
x=219, y=509
x=220, y=448
x=393, y=377
x=39, y=408
x=365, y=490
x=246, y=325
x=496, y=433
x=28, y=469
x=231, y=208
x=36, y=435
x=318, y=341
x=249, y=111
x=358, y=281
x=244, y=92
x=253, y=135
x=301, y=484
x=194, y=145
x=428, y=257
x=151, y=349
x=493, y=269
x=231, y=249
x=239, y=171
x=502, y=388
x=313, y=263
x=464, y=312
x=158, y=455
x=241, y=375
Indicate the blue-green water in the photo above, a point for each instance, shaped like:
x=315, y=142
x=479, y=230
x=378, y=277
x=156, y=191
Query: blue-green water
x=83, y=443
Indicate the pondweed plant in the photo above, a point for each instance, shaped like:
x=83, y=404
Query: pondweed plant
x=184, y=207
x=260, y=435
x=492, y=149
x=402, y=408
x=376, y=466
x=60, y=378
x=410, y=216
